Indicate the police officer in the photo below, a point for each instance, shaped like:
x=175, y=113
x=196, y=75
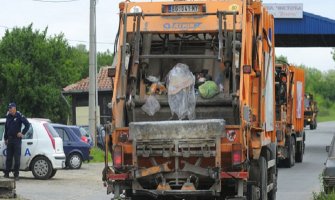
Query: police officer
x=13, y=138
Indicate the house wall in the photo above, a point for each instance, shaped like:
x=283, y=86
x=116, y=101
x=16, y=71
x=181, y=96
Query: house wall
x=81, y=100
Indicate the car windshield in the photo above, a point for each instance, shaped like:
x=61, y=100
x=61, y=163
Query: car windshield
x=51, y=130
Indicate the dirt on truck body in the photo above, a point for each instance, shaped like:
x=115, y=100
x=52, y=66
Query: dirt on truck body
x=193, y=102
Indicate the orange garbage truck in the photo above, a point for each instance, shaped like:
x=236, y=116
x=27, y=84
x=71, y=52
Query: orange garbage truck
x=193, y=107
x=290, y=84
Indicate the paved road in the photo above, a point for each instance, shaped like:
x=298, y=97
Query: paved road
x=299, y=182
x=296, y=183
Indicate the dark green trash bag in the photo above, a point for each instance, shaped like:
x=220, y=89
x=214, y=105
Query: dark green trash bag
x=208, y=89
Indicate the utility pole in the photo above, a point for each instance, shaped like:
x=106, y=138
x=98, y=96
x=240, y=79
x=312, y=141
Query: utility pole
x=92, y=72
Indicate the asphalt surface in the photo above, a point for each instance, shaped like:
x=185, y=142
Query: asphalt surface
x=300, y=181
x=296, y=183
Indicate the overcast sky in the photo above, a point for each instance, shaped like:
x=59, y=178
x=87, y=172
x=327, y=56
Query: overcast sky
x=72, y=19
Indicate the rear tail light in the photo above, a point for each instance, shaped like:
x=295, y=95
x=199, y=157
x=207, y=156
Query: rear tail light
x=84, y=139
x=236, y=154
x=117, y=156
x=50, y=136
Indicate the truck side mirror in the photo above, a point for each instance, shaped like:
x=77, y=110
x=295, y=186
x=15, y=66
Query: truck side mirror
x=327, y=149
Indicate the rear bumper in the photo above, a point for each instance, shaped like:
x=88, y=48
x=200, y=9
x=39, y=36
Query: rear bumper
x=166, y=190
x=181, y=193
x=223, y=175
x=58, y=161
x=87, y=157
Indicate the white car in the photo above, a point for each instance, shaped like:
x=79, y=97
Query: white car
x=42, y=149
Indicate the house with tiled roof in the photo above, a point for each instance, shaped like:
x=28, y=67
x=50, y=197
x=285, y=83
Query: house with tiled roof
x=79, y=93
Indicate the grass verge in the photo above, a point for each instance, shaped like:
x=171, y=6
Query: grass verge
x=98, y=155
x=323, y=196
x=325, y=114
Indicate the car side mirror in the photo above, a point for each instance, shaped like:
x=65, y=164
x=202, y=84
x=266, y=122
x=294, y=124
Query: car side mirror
x=327, y=149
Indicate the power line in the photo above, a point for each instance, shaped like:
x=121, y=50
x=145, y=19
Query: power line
x=83, y=41
x=5, y=27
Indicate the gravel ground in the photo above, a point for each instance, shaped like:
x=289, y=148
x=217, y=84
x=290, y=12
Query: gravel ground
x=83, y=184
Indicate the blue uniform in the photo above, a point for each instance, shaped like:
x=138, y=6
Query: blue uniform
x=12, y=127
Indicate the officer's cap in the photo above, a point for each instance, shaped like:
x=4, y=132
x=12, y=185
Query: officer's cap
x=11, y=105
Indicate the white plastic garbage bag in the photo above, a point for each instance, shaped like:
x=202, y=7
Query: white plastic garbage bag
x=181, y=95
x=151, y=106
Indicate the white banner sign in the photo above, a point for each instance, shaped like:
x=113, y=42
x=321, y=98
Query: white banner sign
x=287, y=10
x=299, y=99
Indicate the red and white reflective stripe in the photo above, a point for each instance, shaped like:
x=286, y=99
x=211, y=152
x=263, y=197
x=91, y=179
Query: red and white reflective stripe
x=228, y=175
x=117, y=176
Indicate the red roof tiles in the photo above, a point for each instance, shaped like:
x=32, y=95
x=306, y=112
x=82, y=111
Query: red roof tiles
x=104, y=83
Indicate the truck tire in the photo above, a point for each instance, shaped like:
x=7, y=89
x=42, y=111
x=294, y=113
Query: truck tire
x=273, y=174
x=263, y=177
x=252, y=192
x=290, y=160
x=311, y=126
x=299, y=152
x=259, y=177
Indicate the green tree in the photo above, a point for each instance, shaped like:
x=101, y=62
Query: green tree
x=104, y=59
x=81, y=56
x=33, y=70
x=313, y=79
x=281, y=59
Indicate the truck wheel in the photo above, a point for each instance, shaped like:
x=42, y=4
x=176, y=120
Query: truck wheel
x=290, y=161
x=311, y=126
x=299, y=152
x=273, y=174
x=263, y=177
